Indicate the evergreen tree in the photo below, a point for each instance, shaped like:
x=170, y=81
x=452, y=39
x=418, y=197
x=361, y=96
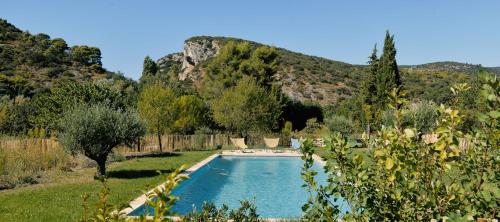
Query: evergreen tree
x=388, y=76
x=369, y=88
x=149, y=67
x=236, y=60
x=368, y=95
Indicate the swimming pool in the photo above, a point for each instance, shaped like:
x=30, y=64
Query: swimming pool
x=274, y=182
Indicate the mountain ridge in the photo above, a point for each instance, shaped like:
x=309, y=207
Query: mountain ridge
x=309, y=78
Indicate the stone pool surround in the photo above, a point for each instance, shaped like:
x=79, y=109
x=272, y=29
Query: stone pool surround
x=139, y=201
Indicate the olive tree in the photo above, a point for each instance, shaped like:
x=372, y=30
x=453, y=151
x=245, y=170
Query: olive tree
x=95, y=130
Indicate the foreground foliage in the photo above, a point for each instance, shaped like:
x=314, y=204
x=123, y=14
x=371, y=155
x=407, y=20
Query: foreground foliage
x=410, y=176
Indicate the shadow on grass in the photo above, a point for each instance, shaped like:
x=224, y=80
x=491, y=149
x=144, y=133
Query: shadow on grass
x=134, y=174
x=164, y=154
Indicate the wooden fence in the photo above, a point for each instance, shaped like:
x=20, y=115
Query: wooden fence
x=175, y=143
x=170, y=143
x=42, y=145
x=147, y=144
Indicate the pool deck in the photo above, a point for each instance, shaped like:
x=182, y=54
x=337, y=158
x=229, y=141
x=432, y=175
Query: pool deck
x=139, y=201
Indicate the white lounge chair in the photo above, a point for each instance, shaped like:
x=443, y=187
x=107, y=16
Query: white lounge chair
x=240, y=143
x=272, y=143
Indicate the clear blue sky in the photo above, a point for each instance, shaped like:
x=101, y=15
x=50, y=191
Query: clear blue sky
x=127, y=31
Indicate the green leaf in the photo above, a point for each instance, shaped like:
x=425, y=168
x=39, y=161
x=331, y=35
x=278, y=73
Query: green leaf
x=486, y=195
x=379, y=153
x=409, y=133
x=494, y=114
x=482, y=118
x=389, y=163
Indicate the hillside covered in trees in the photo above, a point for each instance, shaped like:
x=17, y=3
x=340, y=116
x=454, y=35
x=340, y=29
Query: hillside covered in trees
x=319, y=80
x=33, y=63
x=41, y=77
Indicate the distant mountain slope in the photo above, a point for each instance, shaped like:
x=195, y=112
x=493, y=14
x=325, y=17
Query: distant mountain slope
x=314, y=79
x=31, y=63
x=449, y=66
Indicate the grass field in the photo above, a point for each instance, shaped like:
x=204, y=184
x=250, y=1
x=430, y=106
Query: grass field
x=61, y=200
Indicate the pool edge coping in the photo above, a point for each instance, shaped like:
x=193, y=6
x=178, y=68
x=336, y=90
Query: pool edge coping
x=139, y=201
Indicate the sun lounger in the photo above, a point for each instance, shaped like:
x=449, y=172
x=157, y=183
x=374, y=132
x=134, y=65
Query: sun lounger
x=295, y=144
x=272, y=143
x=240, y=143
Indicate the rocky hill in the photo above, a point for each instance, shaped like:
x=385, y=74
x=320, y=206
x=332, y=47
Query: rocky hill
x=32, y=63
x=314, y=79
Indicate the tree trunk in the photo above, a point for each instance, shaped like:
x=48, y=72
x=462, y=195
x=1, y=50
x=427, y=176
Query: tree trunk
x=139, y=144
x=159, y=142
x=101, y=167
x=159, y=135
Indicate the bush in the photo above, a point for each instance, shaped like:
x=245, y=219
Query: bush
x=95, y=130
x=287, y=129
x=209, y=212
x=421, y=116
x=407, y=177
x=311, y=125
x=340, y=124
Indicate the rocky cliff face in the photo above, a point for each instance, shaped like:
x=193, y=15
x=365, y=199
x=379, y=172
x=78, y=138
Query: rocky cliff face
x=195, y=52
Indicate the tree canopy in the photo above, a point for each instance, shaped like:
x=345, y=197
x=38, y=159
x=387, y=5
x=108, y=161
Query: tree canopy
x=247, y=107
x=235, y=60
x=155, y=106
x=49, y=107
x=94, y=130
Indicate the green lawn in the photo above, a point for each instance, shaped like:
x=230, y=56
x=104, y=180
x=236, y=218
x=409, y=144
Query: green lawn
x=61, y=200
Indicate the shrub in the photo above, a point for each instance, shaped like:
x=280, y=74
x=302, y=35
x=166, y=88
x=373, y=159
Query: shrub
x=420, y=115
x=95, y=130
x=405, y=177
x=209, y=212
x=311, y=125
x=287, y=129
x=340, y=124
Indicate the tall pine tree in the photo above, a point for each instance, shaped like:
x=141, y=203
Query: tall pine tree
x=388, y=76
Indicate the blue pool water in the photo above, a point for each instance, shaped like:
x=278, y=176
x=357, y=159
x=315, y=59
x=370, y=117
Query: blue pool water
x=274, y=182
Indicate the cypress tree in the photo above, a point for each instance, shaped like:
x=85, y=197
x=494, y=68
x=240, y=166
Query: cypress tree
x=369, y=88
x=369, y=91
x=388, y=76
